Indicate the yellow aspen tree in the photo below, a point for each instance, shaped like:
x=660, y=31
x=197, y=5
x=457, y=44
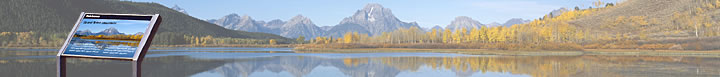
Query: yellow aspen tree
x=463, y=35
x=413, y=34
x=546, y=33
x=474, y=34
x=512, y=35
x=188, y=39
x=363, y=37
x=456, y=36
x=384, y=37
x=318, y=40
x=207, y=39
x=355, y=37
x=706, y=31
x=502, y=34
x=696, y=21
x=493, y=34
x=579, y=36
x=347, y=37
x=562, y=32
x=272, y=42
x=482, y=34
x=425, y=38
x=717, y=3
x=433, y=35
x=197, y=41
x=327, y=40
x=300, y=39
x=446, y=36
x=222, y=41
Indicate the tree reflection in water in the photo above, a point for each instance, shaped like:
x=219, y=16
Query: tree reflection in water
x=535, y=66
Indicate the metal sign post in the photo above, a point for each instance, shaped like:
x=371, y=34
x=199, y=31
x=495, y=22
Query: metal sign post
x=62, y=67
x=124, y=37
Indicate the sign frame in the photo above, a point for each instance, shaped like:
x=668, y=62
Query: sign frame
x=142, y=47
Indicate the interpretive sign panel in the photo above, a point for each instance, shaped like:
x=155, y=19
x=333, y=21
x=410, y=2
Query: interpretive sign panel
x=111, y=36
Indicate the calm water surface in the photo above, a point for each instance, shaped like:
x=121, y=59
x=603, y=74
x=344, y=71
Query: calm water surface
x=283, y=62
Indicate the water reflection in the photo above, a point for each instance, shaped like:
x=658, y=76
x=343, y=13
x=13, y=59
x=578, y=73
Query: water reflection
x=299, y=66
x=289, y=64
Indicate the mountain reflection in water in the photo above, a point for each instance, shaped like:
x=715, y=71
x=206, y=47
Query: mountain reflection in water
x=205, y=62
x=514, y=66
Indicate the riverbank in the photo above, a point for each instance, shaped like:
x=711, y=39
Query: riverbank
x=619, y=52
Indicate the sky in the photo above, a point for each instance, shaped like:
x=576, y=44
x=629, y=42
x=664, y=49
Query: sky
x=123, y=26
x=426, y=13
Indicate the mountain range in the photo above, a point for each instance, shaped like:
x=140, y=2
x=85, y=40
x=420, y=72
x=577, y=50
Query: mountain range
x=372, y=19
x=296, y=26
x=236, y=22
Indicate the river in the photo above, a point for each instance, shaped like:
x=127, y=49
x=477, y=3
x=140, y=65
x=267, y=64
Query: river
x=284, y=62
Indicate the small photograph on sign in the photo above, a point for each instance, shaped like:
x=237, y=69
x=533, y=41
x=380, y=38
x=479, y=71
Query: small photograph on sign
x=107, y=37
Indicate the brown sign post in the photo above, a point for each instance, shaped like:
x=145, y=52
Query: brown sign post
x=124, y=37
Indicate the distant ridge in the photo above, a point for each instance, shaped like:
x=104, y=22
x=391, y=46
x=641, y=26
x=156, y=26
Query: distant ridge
x=293, y=28
x=461, y=22
x=514, y=21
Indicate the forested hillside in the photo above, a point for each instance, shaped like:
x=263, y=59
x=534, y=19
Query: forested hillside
x=47, y=22
x=691, y=24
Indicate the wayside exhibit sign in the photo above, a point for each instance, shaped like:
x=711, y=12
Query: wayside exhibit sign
x=110, y=36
